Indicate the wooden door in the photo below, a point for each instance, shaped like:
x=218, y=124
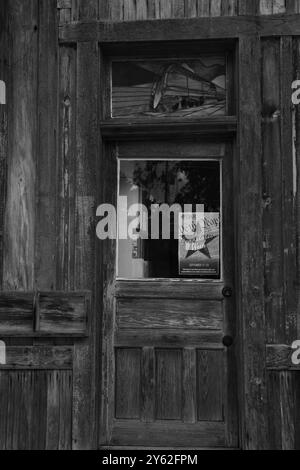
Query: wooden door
x=169, y=371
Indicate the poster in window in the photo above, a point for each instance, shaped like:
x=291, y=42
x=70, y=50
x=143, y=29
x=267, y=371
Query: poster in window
x=199, y=244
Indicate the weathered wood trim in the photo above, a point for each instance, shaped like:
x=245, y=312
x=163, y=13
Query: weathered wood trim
x=279, y=357
x=60, y=314
x=250, y=246
x=4, y=51
x=169, y=338
x=181, y=29
x=122, y=129
x=87, y=147
x=38, y=357
x=169, y=290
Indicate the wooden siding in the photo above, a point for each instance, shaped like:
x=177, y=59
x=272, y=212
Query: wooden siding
x=130, y=10
x=49, y=151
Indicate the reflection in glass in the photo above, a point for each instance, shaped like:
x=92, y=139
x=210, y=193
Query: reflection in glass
x=195, y=88
x=192, y=250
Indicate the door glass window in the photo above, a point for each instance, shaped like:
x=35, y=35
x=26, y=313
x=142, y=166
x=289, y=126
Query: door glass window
x=169, y=219
x=172, y=88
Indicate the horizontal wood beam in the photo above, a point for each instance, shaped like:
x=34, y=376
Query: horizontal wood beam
x=279, y=357
x=47, y=314
x=38, y=357
x=107, y=32
x=126, y=129
x=169, y=290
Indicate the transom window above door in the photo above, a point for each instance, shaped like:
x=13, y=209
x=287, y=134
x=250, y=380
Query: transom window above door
x=181, y=88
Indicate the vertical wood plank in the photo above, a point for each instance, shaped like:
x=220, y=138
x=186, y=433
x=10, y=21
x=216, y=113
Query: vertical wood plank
x=165, y=9
x=251, y=279
x=116, y=10
x=189, y=386
x=148, y=384
x=274, y=411
x=288, y=412
x=203, y=8
x=297, y=176
x=272, y=191
x=266, y=7
x=65, y=409
x=87, y=10
x=289, y=192
x=66, y=173
x=20, y=207
x=53, y=421
x=215, y=7
x=129, y=10
x=45, y=262
x=142, y=10
x=86, y=158
x=190, y=8
x=103, y=9
x=248, y=7
x=4, y=397
x=229, y=7
x=4, y=60
x=108, y=256
x=177, y=8
x=292, y=6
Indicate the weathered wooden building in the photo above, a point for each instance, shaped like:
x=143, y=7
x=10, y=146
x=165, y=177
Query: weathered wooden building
x=95, y=360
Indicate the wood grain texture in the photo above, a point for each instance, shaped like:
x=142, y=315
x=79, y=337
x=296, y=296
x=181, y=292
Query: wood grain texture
x=36, y=399
x=169, y=314
x=279, y=357
x=210, y=385
x=248, y=7
x=251, y=286
x=128, y=384
x=297, y=175
x=168, y=384
x=48, y=314
x=289, y=192
x=272, y=191
x=205, y=435
x=16, y=313
x=38, y=357
x=148, y=384
x=167, y=149
x=87, y=144
x=169, y=337
x=266, y=7
x=21, y=181
x=169, y=290
x=45, y=246
x=66, y=170
x=189, y=406
x=227, y=27
x=64, y=314
x=158, y=129
x=292, y=6
x=4, y=71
